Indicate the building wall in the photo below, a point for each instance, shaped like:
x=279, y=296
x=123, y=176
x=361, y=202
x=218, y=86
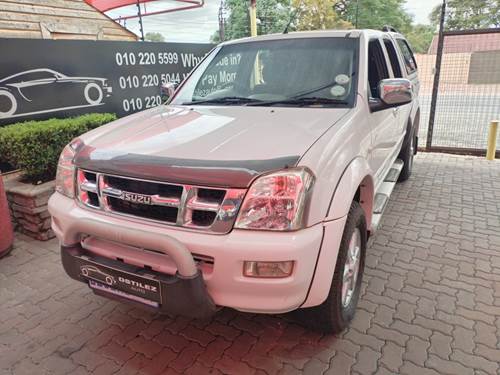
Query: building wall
x=57, y=19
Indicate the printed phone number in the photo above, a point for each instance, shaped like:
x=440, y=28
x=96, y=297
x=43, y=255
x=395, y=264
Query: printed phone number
x=138, y=104
x=149, y=80
x=146, y=58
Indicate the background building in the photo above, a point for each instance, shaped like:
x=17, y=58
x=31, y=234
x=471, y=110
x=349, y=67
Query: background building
x=58, y=19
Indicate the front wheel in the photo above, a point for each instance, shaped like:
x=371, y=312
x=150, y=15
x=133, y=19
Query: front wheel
x=334, y=315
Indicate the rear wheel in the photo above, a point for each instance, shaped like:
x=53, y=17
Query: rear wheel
x=8, y=104
x=334, y=315
x=406, y=155
x=93, y=94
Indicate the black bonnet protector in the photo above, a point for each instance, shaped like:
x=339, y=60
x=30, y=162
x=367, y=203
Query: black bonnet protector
x=217, y=173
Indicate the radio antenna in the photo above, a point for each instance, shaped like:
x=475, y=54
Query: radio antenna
x=292, y=18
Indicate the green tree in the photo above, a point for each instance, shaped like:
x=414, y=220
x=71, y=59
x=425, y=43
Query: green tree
x=272, y=16
x=154, y=37
x=374, y=14
x=318, y=15
x=420, y=37
x=468, y=14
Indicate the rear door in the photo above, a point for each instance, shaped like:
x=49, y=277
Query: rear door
x=409, y=62
x=384, y=122
x=410, y=71
x=401, y=112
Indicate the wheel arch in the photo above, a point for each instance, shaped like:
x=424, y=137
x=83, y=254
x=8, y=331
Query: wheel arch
x=356, y=183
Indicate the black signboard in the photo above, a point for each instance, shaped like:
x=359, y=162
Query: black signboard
x=41, y=79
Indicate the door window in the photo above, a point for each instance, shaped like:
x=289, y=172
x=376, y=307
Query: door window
x=377, y=67
x=410, y=63
x=393, y=58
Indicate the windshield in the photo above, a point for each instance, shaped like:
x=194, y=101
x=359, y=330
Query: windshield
x=305, y=72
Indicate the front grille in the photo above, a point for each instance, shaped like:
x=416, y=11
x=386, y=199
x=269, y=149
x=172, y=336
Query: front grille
x=162, y=213
x=195, y=207
x=144, y=187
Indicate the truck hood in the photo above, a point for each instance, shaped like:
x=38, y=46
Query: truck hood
x=223, y=146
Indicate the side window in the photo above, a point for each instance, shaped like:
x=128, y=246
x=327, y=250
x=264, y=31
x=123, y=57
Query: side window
x=393, y=57
x=377, y=67
x=410, y=63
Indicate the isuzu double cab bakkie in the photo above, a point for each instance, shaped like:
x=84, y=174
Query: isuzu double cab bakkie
x=255, y=187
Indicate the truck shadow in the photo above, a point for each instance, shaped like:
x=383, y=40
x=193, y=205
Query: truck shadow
x=230, y=342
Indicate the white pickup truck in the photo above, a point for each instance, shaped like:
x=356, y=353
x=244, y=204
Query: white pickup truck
x=256, y=187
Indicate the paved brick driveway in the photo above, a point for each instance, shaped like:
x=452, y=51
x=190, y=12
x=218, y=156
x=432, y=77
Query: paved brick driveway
x=430, y=302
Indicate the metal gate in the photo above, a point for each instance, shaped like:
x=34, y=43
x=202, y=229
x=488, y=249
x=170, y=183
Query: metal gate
x=460, y=91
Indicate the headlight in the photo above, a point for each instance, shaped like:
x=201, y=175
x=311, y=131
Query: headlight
x=276, y=201
x=65, y=176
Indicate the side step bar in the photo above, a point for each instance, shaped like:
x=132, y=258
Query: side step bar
x=384, y=192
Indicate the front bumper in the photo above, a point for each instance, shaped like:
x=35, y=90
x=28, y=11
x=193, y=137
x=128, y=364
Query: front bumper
x=224, y=280
x=178, y=295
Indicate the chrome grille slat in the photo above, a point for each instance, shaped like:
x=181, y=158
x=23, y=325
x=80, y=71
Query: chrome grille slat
x=196, y=204
x=112, y=192
x=89, y=187
x=194, y=207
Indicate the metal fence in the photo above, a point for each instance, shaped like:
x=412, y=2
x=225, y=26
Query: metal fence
x=460, y=95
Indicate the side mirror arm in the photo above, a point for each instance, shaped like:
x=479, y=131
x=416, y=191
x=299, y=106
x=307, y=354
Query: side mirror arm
x=167, y=90
x=376, y=105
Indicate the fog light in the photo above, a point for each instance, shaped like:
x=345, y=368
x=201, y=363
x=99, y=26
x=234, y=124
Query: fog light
x=267, y=269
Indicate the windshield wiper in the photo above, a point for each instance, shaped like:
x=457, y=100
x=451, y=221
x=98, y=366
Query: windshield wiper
x=303, y=101
x=224, y=100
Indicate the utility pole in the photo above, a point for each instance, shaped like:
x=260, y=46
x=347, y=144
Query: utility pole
x=253, y=17
x=139, y=13
x=221, y=21
x=437, y=75
x=357, y=14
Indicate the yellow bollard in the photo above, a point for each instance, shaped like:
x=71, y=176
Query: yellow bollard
x=492, y=141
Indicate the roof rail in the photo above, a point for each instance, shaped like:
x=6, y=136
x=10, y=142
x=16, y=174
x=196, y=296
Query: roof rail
x=388, y=28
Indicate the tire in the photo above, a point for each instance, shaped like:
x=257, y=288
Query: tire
x=406, y=155
x=334, y=315
x=10, y=108
x=90, y=90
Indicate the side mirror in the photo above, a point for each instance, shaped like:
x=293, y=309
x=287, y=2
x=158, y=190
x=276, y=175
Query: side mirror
x=395, y=92
x=167, y=90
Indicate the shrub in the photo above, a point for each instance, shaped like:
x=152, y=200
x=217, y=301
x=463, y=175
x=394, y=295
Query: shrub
x=34, y=146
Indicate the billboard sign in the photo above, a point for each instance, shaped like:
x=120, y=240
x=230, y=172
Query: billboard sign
x=41, y=79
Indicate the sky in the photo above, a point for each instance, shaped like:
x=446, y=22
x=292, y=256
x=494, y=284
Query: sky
x=420, y=9
x=197, y=25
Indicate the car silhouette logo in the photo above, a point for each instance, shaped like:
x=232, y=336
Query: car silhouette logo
x=95, y=273
x=45, y=90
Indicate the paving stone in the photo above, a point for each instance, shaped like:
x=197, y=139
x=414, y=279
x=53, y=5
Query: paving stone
x=116, y=352
x=485, y=334
x=463, y=339
x=392, y=356
x=416, y=351
x=160, y=362
x=448, y=367
x=229, y=366
x=187, y=357
x=409, y=368
x=366, y=361
x=440, y=345
x=341, y=363
x=476, y=362
x=146, y=347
